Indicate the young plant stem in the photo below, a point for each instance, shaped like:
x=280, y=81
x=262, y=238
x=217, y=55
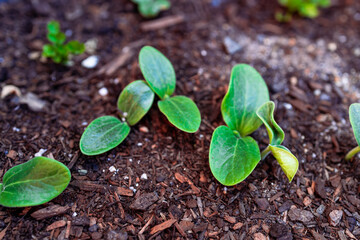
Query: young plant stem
x=265, y=153
x=350, y=154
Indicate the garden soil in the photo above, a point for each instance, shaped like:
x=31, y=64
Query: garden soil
x=157, y=184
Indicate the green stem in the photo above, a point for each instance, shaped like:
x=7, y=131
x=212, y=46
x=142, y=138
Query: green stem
x=353, y=151
x=265, y=152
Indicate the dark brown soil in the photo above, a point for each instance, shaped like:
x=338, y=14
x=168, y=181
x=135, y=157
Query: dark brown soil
x=312, y=70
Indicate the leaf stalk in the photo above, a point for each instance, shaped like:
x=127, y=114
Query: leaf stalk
x=265, y=153
x=352, y=153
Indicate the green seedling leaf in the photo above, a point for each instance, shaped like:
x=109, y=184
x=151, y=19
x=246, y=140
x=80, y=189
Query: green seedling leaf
x=33, y=183
x=75, y=47
x=232, y=158
x=288, y=162
x=53, y=27
x=182, y=112
x=247, y=92
x=309, y=10
x=58, y=51
x=158, y=71
x=152, y=8
x=103, y=134
x=354, y=115
x=57, y=38
x=135, y=101
x=266, y=114
x=324, y=3
x=48, y=50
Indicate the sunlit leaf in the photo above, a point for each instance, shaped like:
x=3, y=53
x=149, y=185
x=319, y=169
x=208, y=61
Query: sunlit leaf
x=247, y=92
x=158, y=71
x=266, y=114
x=135, y=101
x=288, y=162
x=354, y=115
x=182, y=112
x=232, y=159
x=33, y=183
x=103, y=134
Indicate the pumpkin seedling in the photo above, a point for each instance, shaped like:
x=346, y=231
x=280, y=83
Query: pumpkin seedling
x=58, y=51
x=134, y=102
x=305, y=8
x=151, y=8
x=354, y=115
x=35, y=182
x=233, y=154
x=107, y=132
x=159, y=73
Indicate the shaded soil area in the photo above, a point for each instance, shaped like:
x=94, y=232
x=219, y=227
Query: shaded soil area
x=157, y=184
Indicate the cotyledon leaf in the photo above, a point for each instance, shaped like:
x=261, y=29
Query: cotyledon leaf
x=231, y=158
x=247, y=92
x=103, y=134
x=151, y=8
x=33, y=183
x=354, y=115
x=158, y=71
x=266, y=115
x=182, y=112
x=288, y=162
x=135, y=101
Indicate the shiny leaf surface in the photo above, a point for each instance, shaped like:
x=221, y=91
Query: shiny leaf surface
x=288, y=162
x=182, y=112
x=266, y=115
x=354, y=115
x=247, y=92
x=103, y=134
x=158, y=71
x=135, y=101
x=33, y=183
x=232, y=158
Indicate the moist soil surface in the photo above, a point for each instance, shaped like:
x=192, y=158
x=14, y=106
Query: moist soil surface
x=157, y=184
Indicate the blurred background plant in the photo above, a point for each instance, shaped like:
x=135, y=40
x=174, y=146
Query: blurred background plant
x=151, y=8
x=305, y=8
x=58, y=51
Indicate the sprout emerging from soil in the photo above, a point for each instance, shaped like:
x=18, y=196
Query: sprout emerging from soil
x=354, y=115
x=246, y=106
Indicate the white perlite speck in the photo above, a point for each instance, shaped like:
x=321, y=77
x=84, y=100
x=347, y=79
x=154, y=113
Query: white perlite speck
x=112, y=169
x=144, y=176
x=40, y=152
x=103, y=91
x=90, y=62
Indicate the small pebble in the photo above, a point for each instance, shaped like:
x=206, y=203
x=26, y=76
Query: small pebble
x=332, y=47
x=90, y=62
x=357, y=52
x=144, y=129
x=103, y=91
x=144, y=176
x=112, y=169
x=15, y=129
x=335, y=217
x=40, y=152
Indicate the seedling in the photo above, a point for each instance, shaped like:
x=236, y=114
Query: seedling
x=151, y=8
x=58, y=51
x=134, y=102
x=33, y=183
x=233, y=153
x=305, y=8
x=354, y=115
